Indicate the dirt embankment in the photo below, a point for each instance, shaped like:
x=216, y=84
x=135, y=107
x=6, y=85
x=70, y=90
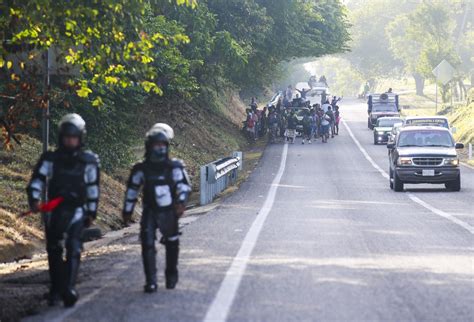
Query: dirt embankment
x=462, y=118
x=202, y=135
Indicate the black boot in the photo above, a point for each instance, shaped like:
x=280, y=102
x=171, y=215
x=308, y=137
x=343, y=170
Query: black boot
x=56, y=275
x=150, y=288
x=70, y=295
x=149, y=265
x=171, y=272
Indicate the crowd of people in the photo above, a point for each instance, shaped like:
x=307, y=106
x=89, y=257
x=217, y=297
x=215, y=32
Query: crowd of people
x=256, y=122
x=287, y=122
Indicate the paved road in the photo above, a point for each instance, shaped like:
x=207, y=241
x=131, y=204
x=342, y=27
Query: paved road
x=314, y=234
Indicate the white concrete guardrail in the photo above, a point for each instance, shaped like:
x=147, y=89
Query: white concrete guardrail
x=218, y=175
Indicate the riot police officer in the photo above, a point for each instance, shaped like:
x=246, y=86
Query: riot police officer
x=166, y=187
x=71, y=174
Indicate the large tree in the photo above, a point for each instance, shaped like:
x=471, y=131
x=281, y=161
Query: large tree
x=370, y=49
x=430, y=27
x=245, y=40
x=406, y=49
x=96, y=44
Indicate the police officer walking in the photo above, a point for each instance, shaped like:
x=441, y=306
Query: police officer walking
x=71, y=175
x=166, y=187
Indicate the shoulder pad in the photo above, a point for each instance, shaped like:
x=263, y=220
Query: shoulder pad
x=177, y=163
x=138, y=166
x=49, y=155
x=90, y=157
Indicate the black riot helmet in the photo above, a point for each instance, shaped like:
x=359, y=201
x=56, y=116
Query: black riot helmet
x=72, y=125
x=159, y=133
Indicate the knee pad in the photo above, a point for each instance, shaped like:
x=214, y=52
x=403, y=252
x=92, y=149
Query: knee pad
x=147, y=236
x=172, y=241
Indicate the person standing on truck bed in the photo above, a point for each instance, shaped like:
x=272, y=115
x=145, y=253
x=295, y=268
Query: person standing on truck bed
x=303, y=92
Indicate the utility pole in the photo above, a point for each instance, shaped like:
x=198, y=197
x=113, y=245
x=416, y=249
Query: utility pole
x=46, y=90
x=45, y=120
x=436, y=87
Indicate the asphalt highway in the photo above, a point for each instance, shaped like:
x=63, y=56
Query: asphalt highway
x=315, y=234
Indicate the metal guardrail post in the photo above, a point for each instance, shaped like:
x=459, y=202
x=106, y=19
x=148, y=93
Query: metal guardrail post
x=218, y=175
x=470, y=151
x=203, y=188
x=240, y=155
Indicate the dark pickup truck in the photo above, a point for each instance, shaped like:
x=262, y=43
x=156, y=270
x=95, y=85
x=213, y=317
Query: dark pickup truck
x=422, y=154
x=383, y=105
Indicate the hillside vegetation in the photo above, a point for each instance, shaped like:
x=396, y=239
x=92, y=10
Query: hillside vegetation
x=462, y=117
x=19, y=238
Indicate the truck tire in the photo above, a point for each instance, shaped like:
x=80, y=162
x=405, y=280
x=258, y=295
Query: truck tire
x=369, y=125
x=454, y=185
x=390, y=179
x=397, y=183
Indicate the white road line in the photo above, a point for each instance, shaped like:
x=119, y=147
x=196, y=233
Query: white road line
x=220, y=307
x=366, y=155
x=412, y=197
x=441, y=213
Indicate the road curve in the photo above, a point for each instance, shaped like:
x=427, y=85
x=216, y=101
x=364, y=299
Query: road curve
x=314, y=234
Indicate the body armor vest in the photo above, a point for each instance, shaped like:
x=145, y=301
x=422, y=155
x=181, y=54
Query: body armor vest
x=68, y=180
x=159, y=188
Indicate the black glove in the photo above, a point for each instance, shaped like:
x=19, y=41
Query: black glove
x=127, y=218
x=88, y=220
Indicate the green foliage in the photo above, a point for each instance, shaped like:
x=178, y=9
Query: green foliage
x=300, y=29
x=421, y=39
x=116, y=54
x=405, y=49
x=243, y=41
x=110, y=127
x=461, y=117
x=370, y=48
x=431, y=27
x=105, y=39
x=96, y=46
x=393, y=38
x=172, y=68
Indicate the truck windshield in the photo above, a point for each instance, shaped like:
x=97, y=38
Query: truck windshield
x=425, y=138
x=384, y=108
x=387, y=123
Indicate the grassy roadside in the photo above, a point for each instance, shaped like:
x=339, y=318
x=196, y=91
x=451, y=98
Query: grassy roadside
x=20, y=238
